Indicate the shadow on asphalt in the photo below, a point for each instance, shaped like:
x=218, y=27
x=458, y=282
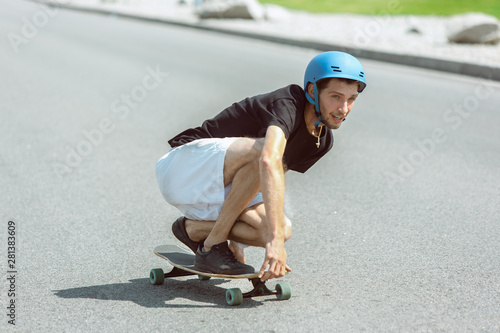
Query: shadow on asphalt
x=172, y=294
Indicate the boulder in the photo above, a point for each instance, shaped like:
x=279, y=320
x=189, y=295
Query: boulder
x=240, y=9
x=473, y=28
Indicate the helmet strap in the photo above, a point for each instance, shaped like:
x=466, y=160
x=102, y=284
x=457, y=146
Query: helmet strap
x=316, y=105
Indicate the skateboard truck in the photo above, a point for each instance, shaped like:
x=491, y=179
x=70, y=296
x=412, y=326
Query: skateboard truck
x=283, y=291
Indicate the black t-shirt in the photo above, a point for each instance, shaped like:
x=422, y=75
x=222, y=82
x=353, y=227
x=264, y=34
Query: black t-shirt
x=252, y=116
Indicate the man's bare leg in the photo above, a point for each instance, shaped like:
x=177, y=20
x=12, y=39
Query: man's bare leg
x=241, y=170
x=238, y=252
x=249, y=229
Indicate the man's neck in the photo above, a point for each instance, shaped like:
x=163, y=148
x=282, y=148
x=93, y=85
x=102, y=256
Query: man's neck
x=311, y=119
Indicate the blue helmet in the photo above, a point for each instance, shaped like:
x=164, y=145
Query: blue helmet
x=332, y=64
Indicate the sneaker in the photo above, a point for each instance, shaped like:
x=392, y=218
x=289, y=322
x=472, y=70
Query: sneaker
x=179, y=231
x=220, y=260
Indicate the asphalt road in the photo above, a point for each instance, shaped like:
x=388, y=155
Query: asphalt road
x=397, y=229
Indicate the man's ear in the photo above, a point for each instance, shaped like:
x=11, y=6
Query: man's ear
x=310, y=90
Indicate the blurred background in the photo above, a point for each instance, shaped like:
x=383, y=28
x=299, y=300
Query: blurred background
x=404, y=7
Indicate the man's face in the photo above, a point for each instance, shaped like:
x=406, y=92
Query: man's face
x=336, y=101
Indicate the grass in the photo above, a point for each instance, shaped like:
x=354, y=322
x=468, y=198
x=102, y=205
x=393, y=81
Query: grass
x=395, y=7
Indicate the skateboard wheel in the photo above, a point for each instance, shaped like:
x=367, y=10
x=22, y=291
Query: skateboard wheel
x=283, y=291
x=156, y=276
x=203, y=277
x=234, y=296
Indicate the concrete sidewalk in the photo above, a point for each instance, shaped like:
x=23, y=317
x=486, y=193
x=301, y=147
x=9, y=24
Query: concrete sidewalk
x=407, y=40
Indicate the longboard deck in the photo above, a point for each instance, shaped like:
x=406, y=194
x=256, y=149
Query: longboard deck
x=184, y=260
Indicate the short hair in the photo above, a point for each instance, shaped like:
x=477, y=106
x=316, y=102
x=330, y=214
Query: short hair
x=321, y=84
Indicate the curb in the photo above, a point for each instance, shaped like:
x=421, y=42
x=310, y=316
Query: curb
x=450, y=66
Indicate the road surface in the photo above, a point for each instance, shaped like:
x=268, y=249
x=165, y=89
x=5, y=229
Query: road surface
x=397, y=229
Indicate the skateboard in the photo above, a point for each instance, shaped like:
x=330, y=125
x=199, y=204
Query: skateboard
x=183, y=265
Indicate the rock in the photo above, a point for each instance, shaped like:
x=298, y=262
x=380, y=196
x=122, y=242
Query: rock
x=473, y=28
x=414, y=26
x=241, y=9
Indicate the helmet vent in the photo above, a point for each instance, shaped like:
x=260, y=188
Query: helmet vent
x=361, y=74
x=336, y=69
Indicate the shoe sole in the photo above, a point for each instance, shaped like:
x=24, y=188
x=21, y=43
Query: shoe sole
x=179, y=231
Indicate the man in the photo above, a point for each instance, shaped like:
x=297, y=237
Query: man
x=227, y=176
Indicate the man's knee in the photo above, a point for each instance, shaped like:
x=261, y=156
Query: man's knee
x=263, y=228
x=243, y=152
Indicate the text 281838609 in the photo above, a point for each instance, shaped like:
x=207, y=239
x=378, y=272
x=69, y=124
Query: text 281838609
x=11, y=272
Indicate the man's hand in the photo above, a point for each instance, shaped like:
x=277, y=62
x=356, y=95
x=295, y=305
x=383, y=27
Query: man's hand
x=275, y=259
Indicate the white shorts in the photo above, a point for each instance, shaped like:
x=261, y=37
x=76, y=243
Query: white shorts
x=191, y=178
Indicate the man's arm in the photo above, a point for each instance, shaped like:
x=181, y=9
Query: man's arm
x=272, y=179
